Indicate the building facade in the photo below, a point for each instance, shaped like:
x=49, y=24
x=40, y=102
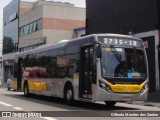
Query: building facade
x=10, y=36
x=38, y=26
x=10, y=27
x=28, y=25
x=123, y=16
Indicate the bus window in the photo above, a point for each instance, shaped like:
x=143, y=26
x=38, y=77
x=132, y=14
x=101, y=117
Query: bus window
x=72, y=65
x=123, y=62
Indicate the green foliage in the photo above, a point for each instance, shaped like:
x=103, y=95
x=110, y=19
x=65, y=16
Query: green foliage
x=8, y=45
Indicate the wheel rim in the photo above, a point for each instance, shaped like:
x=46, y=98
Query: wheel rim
x=69, y=94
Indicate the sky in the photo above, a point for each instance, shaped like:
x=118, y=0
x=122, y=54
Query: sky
x=3, y=3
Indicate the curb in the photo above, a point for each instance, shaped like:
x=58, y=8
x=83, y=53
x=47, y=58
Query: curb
x=152, y=104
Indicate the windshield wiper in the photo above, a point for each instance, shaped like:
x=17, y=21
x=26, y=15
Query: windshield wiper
x=116, y=53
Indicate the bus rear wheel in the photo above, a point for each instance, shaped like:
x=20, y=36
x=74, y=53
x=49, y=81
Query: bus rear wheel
x=26, y=90
x=68, y=95
x=110, y=103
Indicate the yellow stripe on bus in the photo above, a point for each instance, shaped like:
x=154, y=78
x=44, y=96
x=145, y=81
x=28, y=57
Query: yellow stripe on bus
x=37, y=86
x=126, y=88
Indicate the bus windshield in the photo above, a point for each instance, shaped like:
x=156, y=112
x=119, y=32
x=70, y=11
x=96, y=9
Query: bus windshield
x=123, y=63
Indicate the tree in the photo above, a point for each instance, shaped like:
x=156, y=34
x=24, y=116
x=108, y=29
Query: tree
x=8, y=45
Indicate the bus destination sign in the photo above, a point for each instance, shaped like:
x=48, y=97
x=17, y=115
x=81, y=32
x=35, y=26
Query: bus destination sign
x=120, y=41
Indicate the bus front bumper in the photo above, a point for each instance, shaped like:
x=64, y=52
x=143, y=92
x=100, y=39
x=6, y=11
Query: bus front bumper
x=129, y=97
x=111, y=96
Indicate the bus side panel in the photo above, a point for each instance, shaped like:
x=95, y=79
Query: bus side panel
x=46, y=86
x=76, y=86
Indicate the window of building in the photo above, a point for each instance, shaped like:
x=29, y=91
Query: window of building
x=13, y=17
x=26, y=29
x=39, y=24
x=34, y=26
x=22, y=31
x=30, y=28
x=29, y=47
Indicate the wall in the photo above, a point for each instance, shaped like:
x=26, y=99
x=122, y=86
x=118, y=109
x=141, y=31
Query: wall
x=121, y=16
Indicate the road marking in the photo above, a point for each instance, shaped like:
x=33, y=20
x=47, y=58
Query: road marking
x=18, y=108
x=6, y=104
x=49, y=118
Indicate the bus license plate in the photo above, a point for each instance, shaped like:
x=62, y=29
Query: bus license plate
x=126, y=98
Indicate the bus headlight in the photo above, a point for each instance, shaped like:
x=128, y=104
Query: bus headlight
x=104, y=86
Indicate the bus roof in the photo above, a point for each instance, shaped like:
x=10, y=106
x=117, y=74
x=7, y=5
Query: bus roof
x=63, y=43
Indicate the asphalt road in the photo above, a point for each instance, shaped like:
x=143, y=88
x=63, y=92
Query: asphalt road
x=49, y=108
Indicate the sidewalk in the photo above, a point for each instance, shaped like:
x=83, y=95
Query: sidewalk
x=153, y=100
x=154, y=97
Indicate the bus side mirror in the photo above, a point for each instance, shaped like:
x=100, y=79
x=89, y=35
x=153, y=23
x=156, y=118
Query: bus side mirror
x=99, y=52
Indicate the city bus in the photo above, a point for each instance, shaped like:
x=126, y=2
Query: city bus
x=92, y=68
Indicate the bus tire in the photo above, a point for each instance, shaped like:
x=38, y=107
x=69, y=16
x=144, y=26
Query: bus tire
x=110, y=103
x=26, y=89
x=68, y=94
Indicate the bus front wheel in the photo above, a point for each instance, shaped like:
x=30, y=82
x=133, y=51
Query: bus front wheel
x=68, y=95
x=110, y=103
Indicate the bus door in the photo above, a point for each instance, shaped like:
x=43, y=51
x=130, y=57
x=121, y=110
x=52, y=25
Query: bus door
x=86, y=72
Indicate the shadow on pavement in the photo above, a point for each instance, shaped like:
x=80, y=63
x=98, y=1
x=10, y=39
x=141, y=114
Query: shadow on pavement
x=57, y=102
